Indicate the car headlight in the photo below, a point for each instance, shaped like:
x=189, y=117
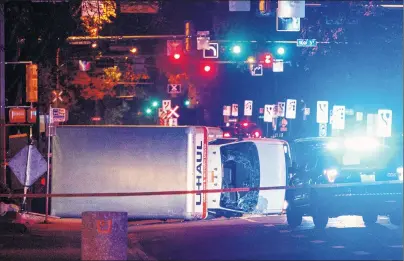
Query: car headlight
x=331, y=174
x=400, y=173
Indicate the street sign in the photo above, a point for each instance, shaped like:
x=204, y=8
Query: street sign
x=261, y=111
x=306, y=111
x=28, y=165
x=290, y=109
x=284, y=125
x=174, y=88
x=166, y=105
x=287, y=24
x=173, y=112
x=202, y=40
x=288, y=8
x=371, y=124
x=257, y=70
x=172, y=122
x=239, y=6
x=269, y=113
x=58, y=115
x=234, y=110
x=322, y=112
x=212, y=52
x=359, y=116
x=384, y=122
x=248, y=108
x=281, y=109
x=277, y=65
x=226, y=110
x=322, y=130
x=306, y=43
x=84, y=66
x=338, y=117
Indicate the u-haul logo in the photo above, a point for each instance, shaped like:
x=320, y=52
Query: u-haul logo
x=200, y=173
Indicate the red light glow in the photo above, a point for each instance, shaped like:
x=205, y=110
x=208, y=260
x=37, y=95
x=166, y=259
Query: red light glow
x=257, y=134
x=177, y=56
x=226, y=135
x=207, y=68
x=245, y=124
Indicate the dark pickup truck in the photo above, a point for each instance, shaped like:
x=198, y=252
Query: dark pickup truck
x=345, y=176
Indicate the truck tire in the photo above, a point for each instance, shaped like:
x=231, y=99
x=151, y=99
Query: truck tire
x=396, y=218
x=294, y=217
x=320, y=219
x=369, y=219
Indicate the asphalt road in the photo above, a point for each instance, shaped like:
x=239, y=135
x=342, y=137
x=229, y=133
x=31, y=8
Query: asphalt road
x=247, y=238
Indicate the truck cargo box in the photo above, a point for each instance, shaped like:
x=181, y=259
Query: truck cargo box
x=108, y=159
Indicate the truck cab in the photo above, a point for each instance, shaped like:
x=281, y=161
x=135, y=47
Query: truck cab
x=250, y=163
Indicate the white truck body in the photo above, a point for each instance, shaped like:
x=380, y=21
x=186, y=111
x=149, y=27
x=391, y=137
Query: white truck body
x=110, y=159
x=274, y=160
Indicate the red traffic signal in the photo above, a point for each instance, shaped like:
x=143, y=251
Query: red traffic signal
x=268, y=58
x=177, y=56
x=207, y=68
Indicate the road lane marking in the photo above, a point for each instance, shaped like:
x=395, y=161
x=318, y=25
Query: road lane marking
x=284, y=231
x=317, y=241
x=396, y=246
x=249, y=220
x=338, y=247
x=298, y=236
x=361, y=253
x=269, y=225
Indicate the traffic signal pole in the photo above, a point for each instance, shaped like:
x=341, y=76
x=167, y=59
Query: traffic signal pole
x=3, y=138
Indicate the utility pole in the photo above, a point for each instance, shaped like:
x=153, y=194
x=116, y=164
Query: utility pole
x=3, y=138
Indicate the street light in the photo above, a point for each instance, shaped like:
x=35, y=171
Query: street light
x=133, y=50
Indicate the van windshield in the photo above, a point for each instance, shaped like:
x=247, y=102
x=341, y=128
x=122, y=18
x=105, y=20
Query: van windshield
x=241, y=168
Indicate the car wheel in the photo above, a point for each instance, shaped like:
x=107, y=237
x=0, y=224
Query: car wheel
x=293, y=217
x=320, y=219
x=396, y=218
x=369, y=219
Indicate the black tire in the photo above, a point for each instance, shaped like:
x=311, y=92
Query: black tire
x=369, y=219
x=320, y=220
x=294, y=218
x=396, y=218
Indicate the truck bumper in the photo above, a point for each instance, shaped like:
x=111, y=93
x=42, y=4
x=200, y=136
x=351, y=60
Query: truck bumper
x=381, y=199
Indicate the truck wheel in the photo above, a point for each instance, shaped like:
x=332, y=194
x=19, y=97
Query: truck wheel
x=369, y=219
x=294, y=218
x=396, y=218
x=320, y=219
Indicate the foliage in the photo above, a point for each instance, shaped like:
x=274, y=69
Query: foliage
x=115, y=114
x=98, y=13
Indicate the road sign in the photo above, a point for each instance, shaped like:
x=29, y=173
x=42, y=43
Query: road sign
x=322, y=130
x=226, y=110
x=338, y=117
x=173, y=47
x=239, y=6
x=290, y=109
x=288, y=8
x=166, y=105
x=173, y=112
x=234, y=110
x=287, y=24
x=277, y=65
x=212, y=52
x=257, y=70
x=202, y=40
x=248, y=108
x=284, y=125
x=269, y=113
x=261, y=111
x=281, y=109
x=172, y=122
x=28, y=165
x=371, y=124
x=359, y=116
x=384, y=121
x=322, y=112
x=174, y=88
x=58, y=115
x=306, y=43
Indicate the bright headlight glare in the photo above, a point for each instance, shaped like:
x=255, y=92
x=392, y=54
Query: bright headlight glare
x=331, y=174
x=400, y=173
x=361, y=143
x=332, y=145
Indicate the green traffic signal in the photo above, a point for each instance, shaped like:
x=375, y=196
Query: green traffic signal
x=187, y=102
x=155, y=104
x=281, y=51
x=148, y=111
x=236, y=49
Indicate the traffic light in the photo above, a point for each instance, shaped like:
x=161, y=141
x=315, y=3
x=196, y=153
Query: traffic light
x=148, y=111
x=187, y=102
x=177, y=56
x=236, y=49
x=155, y=104
x=280, y=50
x=31, y=76
x=207, y=68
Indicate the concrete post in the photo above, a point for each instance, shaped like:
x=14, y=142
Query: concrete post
x=104, y=235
